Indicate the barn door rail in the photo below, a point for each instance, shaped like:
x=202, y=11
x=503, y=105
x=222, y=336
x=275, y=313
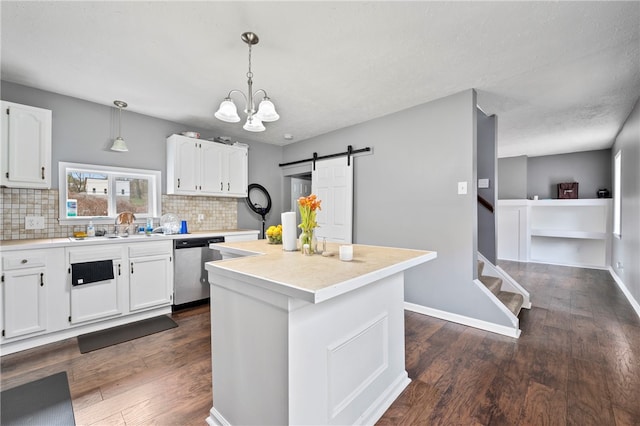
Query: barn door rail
x=349, y=152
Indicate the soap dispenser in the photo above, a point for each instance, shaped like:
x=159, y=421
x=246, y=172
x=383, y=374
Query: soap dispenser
x=91, y=231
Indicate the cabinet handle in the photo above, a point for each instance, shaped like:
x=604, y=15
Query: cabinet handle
x=132, y=267
x=41, y=279
x=178, y=182
x=23, y=261
x=228, y=186
x=221, y=186
x=119, y=269
x=42, y=175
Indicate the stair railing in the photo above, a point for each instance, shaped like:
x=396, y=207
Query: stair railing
x=485, y=203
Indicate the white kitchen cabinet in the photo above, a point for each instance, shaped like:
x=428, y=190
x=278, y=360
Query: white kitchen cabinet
x=197, y=167
x=26, y=146
x=24, y=294
x=235, y=170
x=150, y=275
x=183, y=165
x=102, y=299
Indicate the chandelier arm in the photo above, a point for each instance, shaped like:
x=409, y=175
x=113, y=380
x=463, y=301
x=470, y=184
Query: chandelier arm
x=263, y=91
x=237, y=91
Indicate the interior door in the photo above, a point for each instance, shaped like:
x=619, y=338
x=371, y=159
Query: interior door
x=332, y=182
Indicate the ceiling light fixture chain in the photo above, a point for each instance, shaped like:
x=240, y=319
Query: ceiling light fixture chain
x=266, y=110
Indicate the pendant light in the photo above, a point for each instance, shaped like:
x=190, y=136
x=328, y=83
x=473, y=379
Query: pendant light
x=266, y=110
x=118, y=143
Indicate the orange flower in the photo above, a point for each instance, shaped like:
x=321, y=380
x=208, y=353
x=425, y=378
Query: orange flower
x=308, y=206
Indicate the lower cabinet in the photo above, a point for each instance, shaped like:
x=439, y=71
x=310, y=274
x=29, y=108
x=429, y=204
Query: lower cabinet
x=150, y=275
x=96, y=297
x=28, y=295
x=25, y=298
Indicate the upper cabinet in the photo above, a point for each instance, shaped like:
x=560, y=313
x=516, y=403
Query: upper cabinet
x=25, y=152
x=198, y=167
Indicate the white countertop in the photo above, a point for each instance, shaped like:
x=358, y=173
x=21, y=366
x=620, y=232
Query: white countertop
x=314, y=278
x=12, y=245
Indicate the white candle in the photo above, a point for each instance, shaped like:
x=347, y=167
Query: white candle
x=346, y=253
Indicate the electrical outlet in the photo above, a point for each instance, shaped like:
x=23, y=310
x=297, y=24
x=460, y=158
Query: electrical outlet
x=34, y=222
x=200, y=217
x=462, y=188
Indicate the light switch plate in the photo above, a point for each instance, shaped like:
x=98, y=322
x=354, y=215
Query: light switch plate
x=483, y=183
x=34, y=222
x=462, y=188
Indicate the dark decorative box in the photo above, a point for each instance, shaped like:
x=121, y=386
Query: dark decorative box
x=568, y=190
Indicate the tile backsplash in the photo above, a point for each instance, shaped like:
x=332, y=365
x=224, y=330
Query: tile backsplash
x=15, y=204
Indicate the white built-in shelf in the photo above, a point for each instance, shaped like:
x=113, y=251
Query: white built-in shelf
x=563, y=232
x=587, y=235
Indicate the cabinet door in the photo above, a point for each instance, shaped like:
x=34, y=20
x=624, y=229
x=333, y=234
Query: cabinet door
x=97, y=300
x=212, y=158
x=237, y=166
x=24, y=295
x=186, y=166
x=150, y=282
x=26, y=146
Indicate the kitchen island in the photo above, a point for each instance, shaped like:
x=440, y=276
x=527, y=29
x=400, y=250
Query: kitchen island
x=307, y=339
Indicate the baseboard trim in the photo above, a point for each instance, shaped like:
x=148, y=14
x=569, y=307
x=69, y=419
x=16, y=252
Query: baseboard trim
x=464, y=320
x=634, y=303
x=216, y=419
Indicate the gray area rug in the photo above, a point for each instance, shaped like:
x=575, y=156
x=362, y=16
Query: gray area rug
x=123, y=333
x=45, y=401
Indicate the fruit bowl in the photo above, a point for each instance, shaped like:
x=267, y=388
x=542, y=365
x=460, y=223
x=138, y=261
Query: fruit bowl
x=274, y=234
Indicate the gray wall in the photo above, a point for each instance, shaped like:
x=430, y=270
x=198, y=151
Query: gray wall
x=523, y=177
x=83, y=132
x=627, y=248
x=486, y=164
x=591, y=169
x=406, y=196
x=512, y=178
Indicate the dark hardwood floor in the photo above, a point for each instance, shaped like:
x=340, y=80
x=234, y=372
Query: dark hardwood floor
x=576, y=363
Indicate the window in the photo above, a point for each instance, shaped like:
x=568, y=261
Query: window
x=617, y=194
x=100, y=193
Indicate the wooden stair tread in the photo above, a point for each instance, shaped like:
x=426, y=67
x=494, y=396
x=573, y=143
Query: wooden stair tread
x=513, y=301
x=494, y=284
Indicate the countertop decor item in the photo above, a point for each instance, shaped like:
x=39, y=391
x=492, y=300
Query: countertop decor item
x=266, y=110
x=118, y=143
x=308, y=207
x=274, y=234
x=194, y=135
x=289, y=231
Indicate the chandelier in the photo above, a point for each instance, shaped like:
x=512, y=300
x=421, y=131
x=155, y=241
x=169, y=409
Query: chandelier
x=266, y=110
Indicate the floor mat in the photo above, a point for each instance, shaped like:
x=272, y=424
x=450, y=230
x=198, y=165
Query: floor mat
x=123, y=333
x=45, y=401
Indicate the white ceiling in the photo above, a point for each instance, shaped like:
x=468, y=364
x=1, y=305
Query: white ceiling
x=561, y=76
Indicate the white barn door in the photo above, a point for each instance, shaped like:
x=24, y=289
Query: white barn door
x=332, y=182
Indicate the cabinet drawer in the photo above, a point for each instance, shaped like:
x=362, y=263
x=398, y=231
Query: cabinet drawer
x=90, y=254
x=27, y=260
x=151, y=249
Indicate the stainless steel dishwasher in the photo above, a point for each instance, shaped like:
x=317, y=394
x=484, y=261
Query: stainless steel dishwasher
x=190, y=280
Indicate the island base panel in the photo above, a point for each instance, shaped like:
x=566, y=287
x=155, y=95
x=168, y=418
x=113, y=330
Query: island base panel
x=280, y=360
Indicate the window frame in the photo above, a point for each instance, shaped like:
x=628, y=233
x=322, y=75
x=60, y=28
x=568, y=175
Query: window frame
x=617, y=195
x=154, y=191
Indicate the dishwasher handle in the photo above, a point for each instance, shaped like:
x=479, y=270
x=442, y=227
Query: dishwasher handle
x=196, y=242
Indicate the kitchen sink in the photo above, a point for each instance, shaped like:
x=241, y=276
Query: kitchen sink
x=116, y=237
